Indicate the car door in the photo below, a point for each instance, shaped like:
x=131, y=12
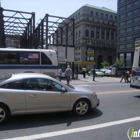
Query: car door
x=13, y=94
x=41, y=96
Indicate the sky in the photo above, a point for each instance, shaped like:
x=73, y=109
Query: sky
x=62, y=8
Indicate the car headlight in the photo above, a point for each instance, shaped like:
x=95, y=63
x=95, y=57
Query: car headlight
x=95, y=95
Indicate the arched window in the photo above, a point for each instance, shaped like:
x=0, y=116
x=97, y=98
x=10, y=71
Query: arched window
x=103, y=34
x=87, y=33
x=106, y=16
x=115, y=18
x=91, y=13
x=102, y=15
x=97, y=34
x=96, y=14
x=92, y=34
x=111, y=17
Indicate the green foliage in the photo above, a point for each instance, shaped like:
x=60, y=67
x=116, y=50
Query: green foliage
x=104, y=63
x=118, y=63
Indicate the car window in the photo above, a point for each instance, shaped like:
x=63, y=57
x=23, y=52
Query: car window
x=14, y=85
x=42, y=84
x=4, y=77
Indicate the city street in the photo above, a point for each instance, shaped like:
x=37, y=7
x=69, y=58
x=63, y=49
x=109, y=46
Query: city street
x=117, y=113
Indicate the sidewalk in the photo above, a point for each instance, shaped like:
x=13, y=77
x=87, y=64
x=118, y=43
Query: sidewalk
x=89, y=79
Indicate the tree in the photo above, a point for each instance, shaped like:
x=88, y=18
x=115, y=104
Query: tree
x=118, y=63
x=104, y=63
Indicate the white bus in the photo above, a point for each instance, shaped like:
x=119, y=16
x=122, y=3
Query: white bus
x=135, y=74
x=13, y=60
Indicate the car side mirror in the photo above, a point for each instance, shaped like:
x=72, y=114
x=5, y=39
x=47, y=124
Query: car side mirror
x=63, y=89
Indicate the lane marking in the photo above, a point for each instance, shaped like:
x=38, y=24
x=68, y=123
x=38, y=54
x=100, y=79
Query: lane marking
x=74, y=130
x=122, y=91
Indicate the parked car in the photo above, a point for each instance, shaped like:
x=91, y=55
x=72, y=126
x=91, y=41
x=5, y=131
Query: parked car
x=98, y=72
x=28, y=93
x=106, y=71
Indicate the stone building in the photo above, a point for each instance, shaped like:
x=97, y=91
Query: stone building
x=95, y=34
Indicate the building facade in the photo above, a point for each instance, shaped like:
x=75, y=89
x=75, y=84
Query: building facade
x=128, y=24
x=95, y=35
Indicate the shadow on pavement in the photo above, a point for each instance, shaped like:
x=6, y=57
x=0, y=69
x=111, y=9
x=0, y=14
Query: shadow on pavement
x=38, y=120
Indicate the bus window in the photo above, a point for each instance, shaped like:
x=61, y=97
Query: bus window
x=45, y=59
x=8, y=57
x=29, y=57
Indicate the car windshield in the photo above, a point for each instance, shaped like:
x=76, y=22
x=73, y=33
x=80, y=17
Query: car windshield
x=4, y=77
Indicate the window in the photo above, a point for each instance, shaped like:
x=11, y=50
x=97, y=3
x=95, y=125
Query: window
x=115, y=18
x=102, y=15
x=130, y=13
x=18, y=85
x=136, y=2
x=128, y=59
x=129, y=29
x=136, y=19
x=129, y=5
x=42, y=84
x=122, y=57
x=112, y=35
x=122, y=8
x=122, y=47
x=87, y=33
x=122, y=38
x=136, y=11
x=79, y=33
x=92, y=34
x=91, y=13
x=97, y=34
x=122, y=16
x=121, y=1
x=129, y=21
x=102, y=35
x=128, y=37
x=29, y=58
x=122, y=31
x=128, y=46
x=136, y=28
x=7, y=57
x=96, y=14
x=107, y=35
x=106, y=16
x=122, y=23
x=45, y=59
x=111, y=17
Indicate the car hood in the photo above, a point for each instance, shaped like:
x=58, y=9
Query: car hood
x=82, y=90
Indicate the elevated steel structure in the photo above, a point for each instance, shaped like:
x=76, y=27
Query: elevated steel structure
x=17, y=28
x=55, y=30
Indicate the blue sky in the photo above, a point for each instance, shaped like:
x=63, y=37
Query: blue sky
x=62, y=8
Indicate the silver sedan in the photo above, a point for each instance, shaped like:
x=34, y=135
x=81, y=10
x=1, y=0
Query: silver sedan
x=28, y=93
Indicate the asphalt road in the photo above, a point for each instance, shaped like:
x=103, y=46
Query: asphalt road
x=118, y=111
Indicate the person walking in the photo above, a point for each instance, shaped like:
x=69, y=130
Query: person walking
x=123, y=76
x=60, y=73
x=68, y=74
x=94, y=73
x=84, y=72
x=127, y=76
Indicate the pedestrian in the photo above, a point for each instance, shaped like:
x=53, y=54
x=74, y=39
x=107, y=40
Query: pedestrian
x=60, y=73
x=94, y=73
x=84, y=71
x=127, y=76
x=68, y=74
x=123, y=76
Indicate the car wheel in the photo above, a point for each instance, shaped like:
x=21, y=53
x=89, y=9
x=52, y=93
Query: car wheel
x=4, y=113
x=81, y=107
